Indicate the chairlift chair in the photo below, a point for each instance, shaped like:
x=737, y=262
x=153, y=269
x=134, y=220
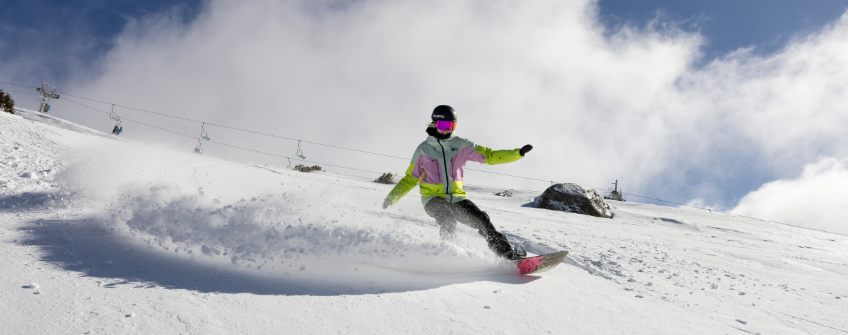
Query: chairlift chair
x=299, y=152
x=203, y=133
x=113, y=115
x=199, y=148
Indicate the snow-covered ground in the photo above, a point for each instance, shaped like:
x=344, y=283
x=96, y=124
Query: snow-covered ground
x=99, y=235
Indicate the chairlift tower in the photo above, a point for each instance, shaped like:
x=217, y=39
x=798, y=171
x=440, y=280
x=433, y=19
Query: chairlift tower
x=615, y=194
x=46, y=92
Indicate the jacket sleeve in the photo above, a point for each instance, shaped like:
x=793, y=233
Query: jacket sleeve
x=413, y=177
x=498, y=156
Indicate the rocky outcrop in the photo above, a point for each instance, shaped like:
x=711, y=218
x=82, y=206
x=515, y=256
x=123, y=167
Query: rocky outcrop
x=574, y=198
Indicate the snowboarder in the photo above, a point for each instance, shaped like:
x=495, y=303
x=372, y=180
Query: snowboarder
x=438, y=165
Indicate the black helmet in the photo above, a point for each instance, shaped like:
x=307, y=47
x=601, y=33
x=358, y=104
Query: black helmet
x=443, y=113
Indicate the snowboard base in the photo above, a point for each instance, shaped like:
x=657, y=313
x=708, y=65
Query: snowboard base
x=541, y=263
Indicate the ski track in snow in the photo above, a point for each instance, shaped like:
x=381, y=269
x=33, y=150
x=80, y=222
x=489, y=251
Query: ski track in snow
x=159, y=219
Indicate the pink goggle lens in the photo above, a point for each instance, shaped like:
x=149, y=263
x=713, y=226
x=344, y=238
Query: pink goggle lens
x=446, y=125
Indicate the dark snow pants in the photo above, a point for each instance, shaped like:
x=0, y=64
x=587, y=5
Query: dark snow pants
x=447, y=214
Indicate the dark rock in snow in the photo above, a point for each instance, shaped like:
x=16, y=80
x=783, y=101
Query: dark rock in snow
x=575, y=199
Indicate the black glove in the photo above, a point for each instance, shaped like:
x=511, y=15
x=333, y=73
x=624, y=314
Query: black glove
x=387, y=203
x=525, y=149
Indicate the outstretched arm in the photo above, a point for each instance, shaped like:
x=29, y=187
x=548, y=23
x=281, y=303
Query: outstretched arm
x=406, y=184
x=493, y=157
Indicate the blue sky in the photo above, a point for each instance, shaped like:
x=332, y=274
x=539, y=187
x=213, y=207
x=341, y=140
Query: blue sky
x=729, y=25
x=71, y=34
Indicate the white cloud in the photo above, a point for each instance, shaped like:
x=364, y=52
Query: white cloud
x=597, y=105
x=816, y=199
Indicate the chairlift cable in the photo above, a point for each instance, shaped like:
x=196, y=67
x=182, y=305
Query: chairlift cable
x=310, y=142
x=21, y=92
x=2, y=82
x=238, y=129
x=224, y=144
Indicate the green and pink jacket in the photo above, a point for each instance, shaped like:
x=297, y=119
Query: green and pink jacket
x=439, y=166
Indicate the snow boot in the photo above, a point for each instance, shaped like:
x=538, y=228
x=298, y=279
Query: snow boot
x=517, y=252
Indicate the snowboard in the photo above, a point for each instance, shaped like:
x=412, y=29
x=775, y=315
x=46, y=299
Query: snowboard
x=539, y=264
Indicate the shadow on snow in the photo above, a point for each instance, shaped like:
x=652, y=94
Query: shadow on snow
x=28, y=201
x=95, y=251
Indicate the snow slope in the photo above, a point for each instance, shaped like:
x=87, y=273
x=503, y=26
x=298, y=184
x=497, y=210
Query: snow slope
x=99, y=235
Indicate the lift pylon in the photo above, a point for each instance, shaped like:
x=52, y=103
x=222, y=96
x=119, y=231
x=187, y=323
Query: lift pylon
x=46, y=92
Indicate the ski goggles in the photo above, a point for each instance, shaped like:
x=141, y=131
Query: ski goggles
x=446, y=125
